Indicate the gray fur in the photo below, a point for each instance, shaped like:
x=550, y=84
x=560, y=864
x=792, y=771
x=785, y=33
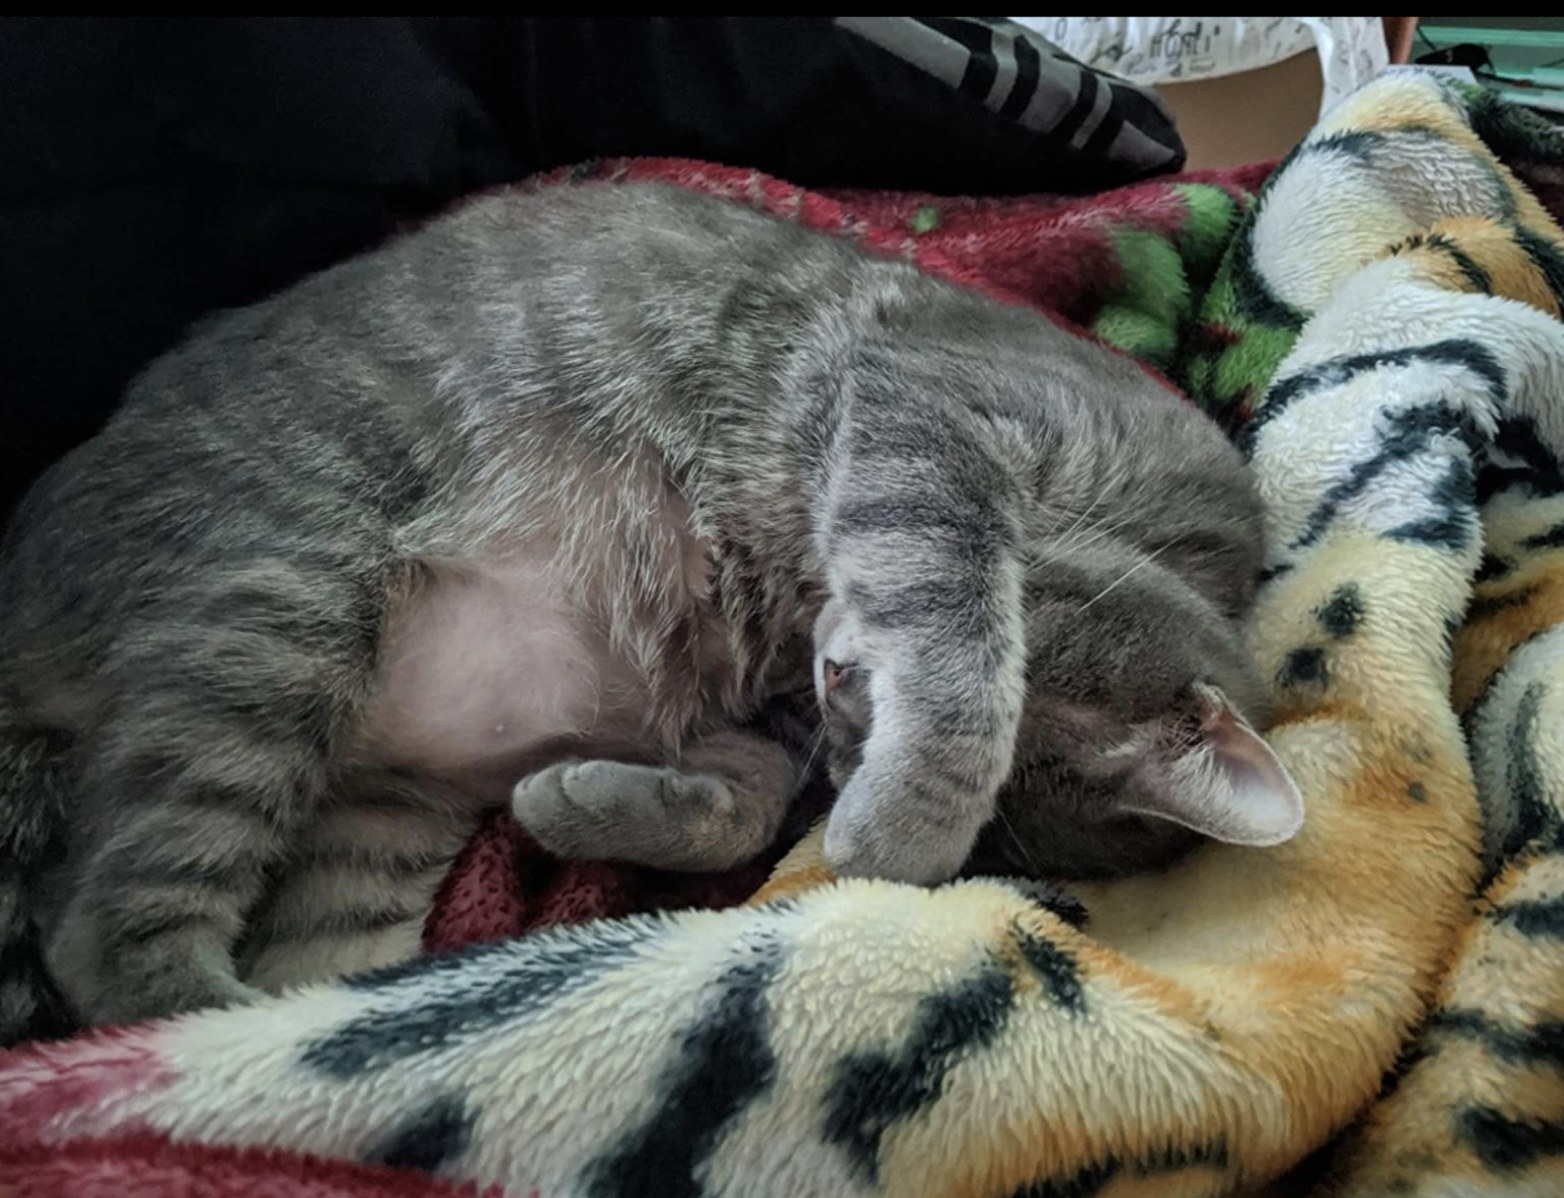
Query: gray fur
x=1132, y=606
x=1118, y=645
x=699, y=424
x=718, y=806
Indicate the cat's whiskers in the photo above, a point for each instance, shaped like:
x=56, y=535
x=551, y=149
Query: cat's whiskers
x=1019, y=843
x=1071, y=540
x=1145, y=561
x=1091, y=507
x=814, y=751
x=1090, y=537
x=1100, y=531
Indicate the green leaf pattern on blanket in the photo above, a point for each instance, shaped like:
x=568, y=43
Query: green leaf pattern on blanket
x=1162, y=275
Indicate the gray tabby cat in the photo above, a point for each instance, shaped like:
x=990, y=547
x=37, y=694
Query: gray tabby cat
x=566, y=488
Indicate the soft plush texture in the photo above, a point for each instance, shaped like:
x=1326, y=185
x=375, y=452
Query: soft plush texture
x=1383, y=326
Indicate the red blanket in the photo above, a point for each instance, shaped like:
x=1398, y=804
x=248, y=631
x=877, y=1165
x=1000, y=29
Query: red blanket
x=1092, y=261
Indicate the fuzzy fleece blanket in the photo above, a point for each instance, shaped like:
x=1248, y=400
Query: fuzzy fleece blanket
x=1381, y=329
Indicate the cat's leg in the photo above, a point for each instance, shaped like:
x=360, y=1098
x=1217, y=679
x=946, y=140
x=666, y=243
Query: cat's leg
x=356, y=889
x=720, y=806
x=919, y=531
x=223, y=703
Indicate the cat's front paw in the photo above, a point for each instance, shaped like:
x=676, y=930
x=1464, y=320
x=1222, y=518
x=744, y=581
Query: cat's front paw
x=870, y=835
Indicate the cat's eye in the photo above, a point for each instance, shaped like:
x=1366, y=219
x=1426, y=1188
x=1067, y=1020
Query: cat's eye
x=833, y=674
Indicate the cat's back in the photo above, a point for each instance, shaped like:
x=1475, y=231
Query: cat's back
x=490, y=302
x=314, y=424
x=350, y=373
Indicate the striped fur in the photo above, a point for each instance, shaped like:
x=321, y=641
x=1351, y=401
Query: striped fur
x=1208, y=1028
x=557, y=491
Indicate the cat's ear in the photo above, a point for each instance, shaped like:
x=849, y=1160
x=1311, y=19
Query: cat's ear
x=1228, y=784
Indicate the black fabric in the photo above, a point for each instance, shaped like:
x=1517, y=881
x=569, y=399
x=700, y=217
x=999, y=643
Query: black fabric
x=152, y=170
x=1084, y=122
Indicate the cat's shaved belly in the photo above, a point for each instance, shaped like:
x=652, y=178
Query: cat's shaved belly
x=492, y=668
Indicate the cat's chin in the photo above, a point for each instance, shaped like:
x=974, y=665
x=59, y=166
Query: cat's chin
x=1118, y=847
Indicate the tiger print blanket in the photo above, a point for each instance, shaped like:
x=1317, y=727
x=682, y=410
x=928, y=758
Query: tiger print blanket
x=1383, y=331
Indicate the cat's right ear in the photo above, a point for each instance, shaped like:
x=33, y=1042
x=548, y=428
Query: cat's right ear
x=1229, y=784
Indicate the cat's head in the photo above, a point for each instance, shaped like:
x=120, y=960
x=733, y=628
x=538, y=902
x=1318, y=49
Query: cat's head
x=1138, y=734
